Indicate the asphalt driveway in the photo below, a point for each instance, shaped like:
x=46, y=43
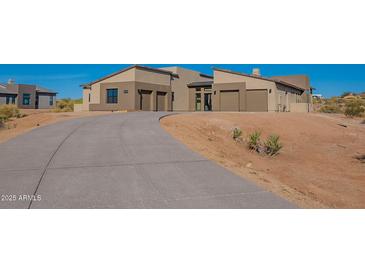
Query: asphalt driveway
x=121, y=160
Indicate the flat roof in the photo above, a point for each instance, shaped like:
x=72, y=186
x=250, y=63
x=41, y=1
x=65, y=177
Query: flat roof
x=40, y=89
x=131, y=67
x=260, y=78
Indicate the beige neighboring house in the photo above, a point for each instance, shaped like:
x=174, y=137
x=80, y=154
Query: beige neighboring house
x=179, y=89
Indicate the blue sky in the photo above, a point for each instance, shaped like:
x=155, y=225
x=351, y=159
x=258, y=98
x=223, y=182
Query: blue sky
x=329, y=80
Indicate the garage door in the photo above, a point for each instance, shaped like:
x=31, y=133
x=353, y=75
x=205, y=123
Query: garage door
x=145, y=100
x=229, y=100
x=161, y=101
x=257, y=100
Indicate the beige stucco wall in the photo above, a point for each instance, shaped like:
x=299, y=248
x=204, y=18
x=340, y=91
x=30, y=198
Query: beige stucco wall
x=297, y=80
x=300, y=107
x=85, y=98
x=156, y=78
x=126, y=76
x=221, y=77
x=180, y=88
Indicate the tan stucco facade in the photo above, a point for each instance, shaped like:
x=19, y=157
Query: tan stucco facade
x=179, y=86
x=180, y=89
x=259, y=94
x=167, y=87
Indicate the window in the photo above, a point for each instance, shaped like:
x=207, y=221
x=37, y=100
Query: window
x=172, y=96
x=89, y=97
x=112, y=96
x=126, y=91
x=10, y=100
x=26, y=99
x=198, y=101
x=51, y=100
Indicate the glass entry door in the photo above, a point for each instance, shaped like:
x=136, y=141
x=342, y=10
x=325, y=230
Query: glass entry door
x=207, y=102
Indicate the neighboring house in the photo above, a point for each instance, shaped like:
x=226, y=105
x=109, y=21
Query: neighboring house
x=180, y=89
x=27, y=96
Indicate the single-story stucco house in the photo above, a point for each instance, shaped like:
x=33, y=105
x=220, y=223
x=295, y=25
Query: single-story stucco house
x=26, y=96
x=179, y=89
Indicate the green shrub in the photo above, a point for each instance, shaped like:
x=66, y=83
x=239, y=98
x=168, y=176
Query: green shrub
x=355, y=107
x=272, y=145
x=9, y=111
x=332, y=108
x=254, y=141
x=66, y=105
x=237, y=134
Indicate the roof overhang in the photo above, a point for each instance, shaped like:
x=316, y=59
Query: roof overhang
x=88, y=85
x=200, y=84
x=260, y=78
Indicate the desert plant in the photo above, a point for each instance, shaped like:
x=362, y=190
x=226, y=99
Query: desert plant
x=355, y=107
x=9, y=111
x=3, y=120
x=66, y=105
x=330, y=108
x=254, y=141
x=237, y=134
x=272, y=145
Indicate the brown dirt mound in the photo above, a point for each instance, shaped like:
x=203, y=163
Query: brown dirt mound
x=316, y=168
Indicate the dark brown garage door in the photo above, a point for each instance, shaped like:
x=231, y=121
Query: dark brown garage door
x=161, y=101
x=145, y=100
x=229, y=100
x=257, y=100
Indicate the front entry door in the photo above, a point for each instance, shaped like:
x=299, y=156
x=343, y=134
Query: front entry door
x=207, y=102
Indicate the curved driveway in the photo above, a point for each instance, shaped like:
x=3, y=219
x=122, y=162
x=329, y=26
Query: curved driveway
x=123, y=160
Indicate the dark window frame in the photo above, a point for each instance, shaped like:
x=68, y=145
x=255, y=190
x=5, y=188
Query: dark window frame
x=26, y=99
x=51, y=100
x=112, y=96
x=10, y=100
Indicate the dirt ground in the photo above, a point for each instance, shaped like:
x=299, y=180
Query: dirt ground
x=317, y=167
x=38, y=118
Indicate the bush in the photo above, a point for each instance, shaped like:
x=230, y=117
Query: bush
x=237, y=134
x=330, y=109
x=254, y=141
x=272, y=145
x=3, y=120
x=354, y=108
x=9, y=111
x=66, y=105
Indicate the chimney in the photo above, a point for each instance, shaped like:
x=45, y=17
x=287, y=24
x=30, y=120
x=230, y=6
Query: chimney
x=11, y=82
x=256, y=72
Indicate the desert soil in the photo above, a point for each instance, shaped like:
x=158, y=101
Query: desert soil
x=38, y=118
x=317, y=167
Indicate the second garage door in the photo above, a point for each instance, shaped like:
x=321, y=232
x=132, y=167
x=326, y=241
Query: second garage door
x=161, y=101
x=229, y=100
x=257, y=100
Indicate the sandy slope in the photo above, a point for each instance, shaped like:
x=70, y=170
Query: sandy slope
x=316, y=167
